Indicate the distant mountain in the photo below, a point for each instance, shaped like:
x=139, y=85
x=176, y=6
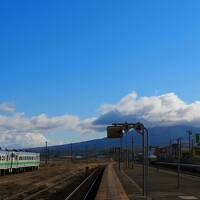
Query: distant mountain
x=157, y=136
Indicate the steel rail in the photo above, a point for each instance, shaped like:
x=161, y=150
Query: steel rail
x=91, y=187
x=82, y=184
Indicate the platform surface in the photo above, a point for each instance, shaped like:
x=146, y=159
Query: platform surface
x=162, y=184
x=110, y=186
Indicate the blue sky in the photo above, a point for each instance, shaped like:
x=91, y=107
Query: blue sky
x=70, y=57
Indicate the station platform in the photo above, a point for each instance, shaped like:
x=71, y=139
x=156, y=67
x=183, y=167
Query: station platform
x=162, y=184
x=110, y=186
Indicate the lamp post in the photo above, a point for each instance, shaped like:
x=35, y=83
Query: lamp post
x=132, y=153
x=116, y=130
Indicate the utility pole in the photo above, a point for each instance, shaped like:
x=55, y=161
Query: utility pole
x=86, y=154
x=46, y=153
x=192, y=147
x=189, y=137
x=71, y=152
x=179, y=143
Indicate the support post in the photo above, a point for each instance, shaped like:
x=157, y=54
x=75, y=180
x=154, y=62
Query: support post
x=179, y=162
x=147, y=161
x=126, y=155
x=120, y=153
x=144, y=159
x=132, y=153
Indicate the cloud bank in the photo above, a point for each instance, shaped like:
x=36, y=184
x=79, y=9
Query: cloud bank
x=16, y=129
x=19, y=130
x=166, y=109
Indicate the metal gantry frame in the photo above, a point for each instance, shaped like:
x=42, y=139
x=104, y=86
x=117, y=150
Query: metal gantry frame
x=141, y=129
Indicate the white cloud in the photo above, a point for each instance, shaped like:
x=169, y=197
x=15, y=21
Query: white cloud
x=44, y=122
x=7, y=107
x=166, y=109
x=19, y=140
x=30, y=139
x=18, y=129
x=159, y=110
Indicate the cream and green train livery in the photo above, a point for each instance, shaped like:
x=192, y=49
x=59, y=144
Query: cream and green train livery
x=18, y=160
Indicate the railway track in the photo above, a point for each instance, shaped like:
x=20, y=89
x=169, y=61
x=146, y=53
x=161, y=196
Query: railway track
x=88, y=188
x=191, y=169
x=41, y=187
x=44, y=190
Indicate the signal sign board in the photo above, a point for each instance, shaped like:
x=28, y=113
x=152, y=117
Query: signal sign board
x=114, y=132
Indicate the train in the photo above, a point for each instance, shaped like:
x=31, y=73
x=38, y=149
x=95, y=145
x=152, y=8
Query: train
x=18, y=161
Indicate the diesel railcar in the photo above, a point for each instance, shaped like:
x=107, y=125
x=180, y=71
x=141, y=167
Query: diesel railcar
x=16, y=161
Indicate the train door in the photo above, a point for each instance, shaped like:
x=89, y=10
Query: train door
x=12, y=161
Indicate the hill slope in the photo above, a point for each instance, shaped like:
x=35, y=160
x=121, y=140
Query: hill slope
x=157, y=136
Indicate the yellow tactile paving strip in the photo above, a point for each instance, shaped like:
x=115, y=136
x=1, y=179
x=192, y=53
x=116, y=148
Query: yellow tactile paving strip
x=110, y=187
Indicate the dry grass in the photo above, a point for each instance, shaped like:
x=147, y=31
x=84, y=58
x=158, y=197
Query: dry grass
x=19, y=186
